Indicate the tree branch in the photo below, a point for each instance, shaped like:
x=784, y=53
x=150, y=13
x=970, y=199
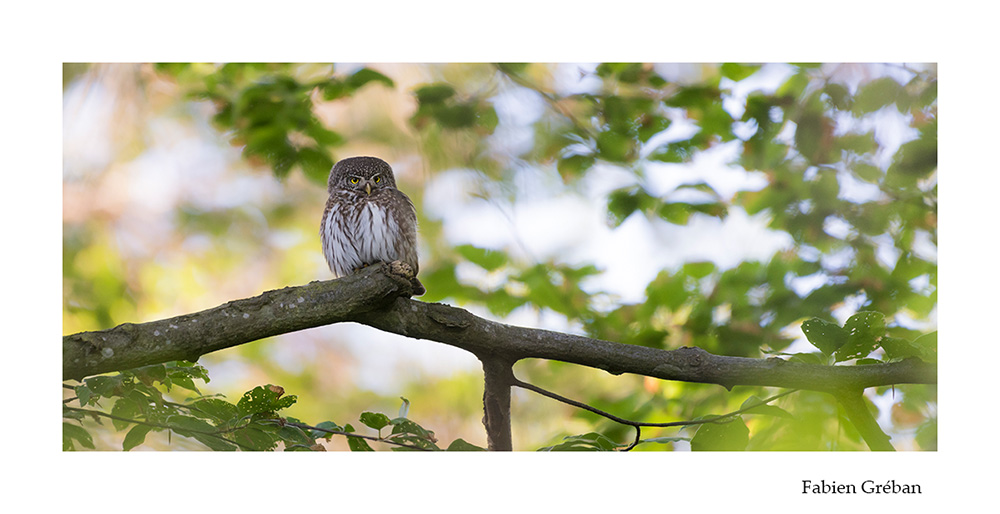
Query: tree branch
x=496, y=403
x=862, y=419
x=189, y=336
x=378, y=298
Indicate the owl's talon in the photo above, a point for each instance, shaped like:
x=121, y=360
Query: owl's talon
x=401, y=268
x=405, y=270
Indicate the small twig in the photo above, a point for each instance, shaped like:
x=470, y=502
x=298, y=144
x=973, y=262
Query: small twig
x=639, y=424
x=638, y=439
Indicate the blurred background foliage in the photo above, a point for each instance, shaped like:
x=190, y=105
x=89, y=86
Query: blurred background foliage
x=665, y=205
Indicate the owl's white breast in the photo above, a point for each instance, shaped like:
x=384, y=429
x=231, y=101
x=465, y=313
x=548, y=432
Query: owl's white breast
x=377, y=231
x=369, y=236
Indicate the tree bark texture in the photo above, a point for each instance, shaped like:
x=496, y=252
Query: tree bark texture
x=378, y=298
x=496, y=403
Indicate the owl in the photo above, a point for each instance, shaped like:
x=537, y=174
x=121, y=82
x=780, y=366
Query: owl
x=367, y=220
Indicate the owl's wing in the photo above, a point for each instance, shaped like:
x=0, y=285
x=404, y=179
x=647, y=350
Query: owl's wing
x=405, y=216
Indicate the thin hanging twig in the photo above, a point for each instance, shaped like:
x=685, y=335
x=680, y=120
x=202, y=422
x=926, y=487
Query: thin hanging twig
x=639, y=424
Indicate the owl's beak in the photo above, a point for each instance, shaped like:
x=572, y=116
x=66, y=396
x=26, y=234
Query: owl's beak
x=368, y=188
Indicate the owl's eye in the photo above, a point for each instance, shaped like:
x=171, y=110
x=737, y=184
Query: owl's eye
x=354, y=180
x=378, y=179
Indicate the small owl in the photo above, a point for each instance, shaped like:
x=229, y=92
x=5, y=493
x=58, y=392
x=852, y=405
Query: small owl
x=367, y=220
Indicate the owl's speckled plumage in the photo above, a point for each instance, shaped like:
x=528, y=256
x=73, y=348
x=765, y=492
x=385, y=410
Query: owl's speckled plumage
x=367, y=220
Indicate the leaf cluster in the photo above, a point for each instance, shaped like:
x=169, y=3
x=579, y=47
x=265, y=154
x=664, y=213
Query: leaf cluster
x=268, y=110
x=862, y=334
x=140, y=403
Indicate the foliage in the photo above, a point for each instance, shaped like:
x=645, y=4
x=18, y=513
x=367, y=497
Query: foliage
x=252, y=424
x=856, y=202
x=863, y=333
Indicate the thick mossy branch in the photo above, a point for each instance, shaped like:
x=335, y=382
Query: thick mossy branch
x=233, y=323
x=379, y=299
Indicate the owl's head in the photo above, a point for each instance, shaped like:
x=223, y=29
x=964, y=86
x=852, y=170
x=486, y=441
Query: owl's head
x=364, y=174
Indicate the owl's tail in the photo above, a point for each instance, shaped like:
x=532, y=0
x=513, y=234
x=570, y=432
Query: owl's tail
x=418, y=288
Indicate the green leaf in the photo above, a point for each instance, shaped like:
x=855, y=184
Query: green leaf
x=512, y=68
x=694, y=97
x=623, y=202
x=356, y=444
x=125, y=408
x=77, y=433
x=73, y=414
x=574, y=166
x=860, y=144
x=83, y=394
x=764, y=409
x=737, y=72
x=487, y=118
x=501, y=303
x=840, y=97
x=490, y=260
x=927, y=345
x=257, y=437
x=106, y=386
x=898, y=348
x=434, y=93
x=794, y=86
x=924, y=347
x=731, y=436
x=148, y=374
x=460, y=445
x=589, y=442
x=812, y=137
x=135, y=437
x=409, y=432
x=366, y=75
x=864, y=330
x=867, y=172
x=375, y=420
x=294, y=435
x=651, y=126
x=328, y=425
x=456, y=116
x=614, y=146
x=876, y=94
x=181, y=424
x=700, y=269
x=826, y=336
x=671, y=153
x=916, y=158
x=334, y=89
x=216, y=443
x=664, y=440
x=217, y=409
x=926, y=435
x=265, y=400
x=316, y=164
x=323, y=136
x=677, y=213
x=667, y=290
